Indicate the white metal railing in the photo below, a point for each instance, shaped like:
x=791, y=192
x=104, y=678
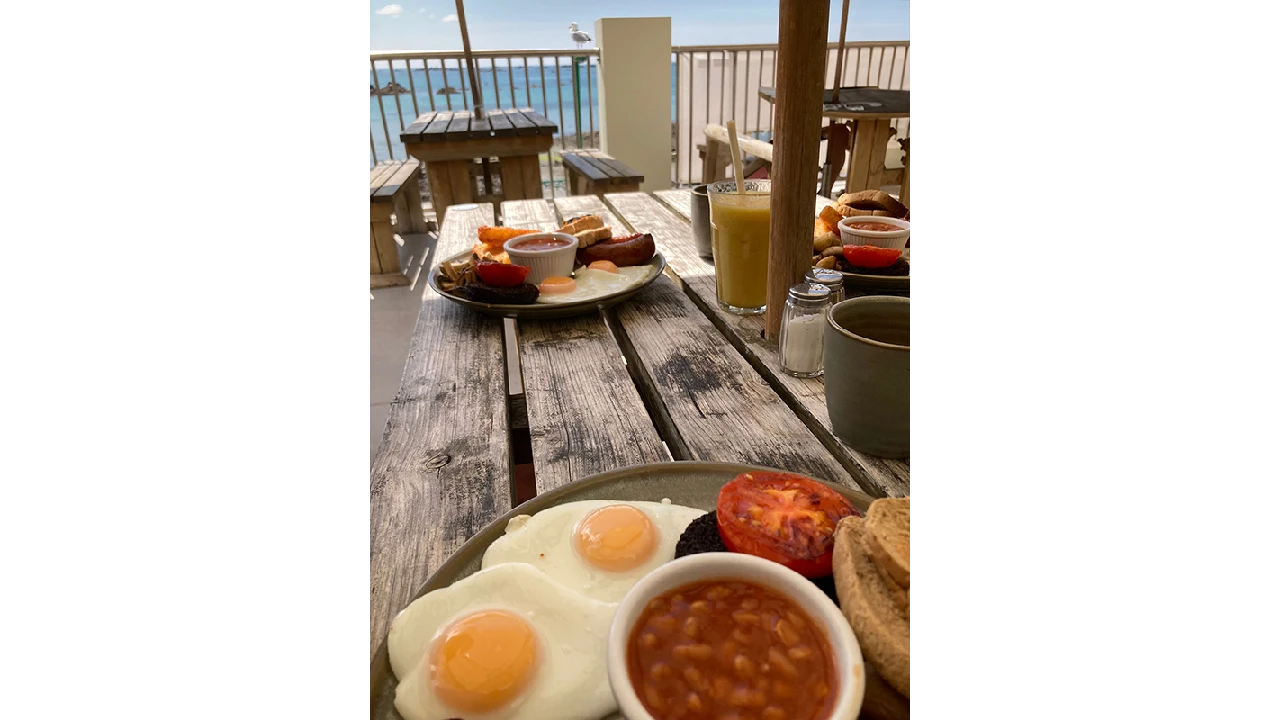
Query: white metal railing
x=716, y=83
x=508, y=79
x=710, y=83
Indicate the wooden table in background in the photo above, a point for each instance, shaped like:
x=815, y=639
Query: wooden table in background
x=449, y=143
x=665, y=376
x=871, y=110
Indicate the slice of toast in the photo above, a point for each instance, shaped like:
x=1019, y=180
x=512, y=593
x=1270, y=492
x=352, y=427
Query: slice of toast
x=881, y=702
x=582, y=222
x=874, y=200
x=587, y=238
x=850, y=211
x=889, y=527
x=883, y=633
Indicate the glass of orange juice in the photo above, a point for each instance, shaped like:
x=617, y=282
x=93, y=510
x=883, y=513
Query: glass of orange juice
x=740, y=244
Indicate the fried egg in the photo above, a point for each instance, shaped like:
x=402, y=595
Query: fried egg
x=598, y=548
x=507, y=643
x=594, y=283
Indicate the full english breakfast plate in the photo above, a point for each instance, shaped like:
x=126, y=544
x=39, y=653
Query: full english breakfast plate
x=545, y=579
x=526, y=274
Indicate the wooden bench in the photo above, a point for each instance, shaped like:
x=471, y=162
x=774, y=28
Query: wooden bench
x=393, y=188
x=591, y=172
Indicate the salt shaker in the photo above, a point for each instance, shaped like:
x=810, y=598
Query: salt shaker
x=833, y=279
x=800, y=343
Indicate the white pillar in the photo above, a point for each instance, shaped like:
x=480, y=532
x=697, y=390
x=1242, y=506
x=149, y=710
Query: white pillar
x=635, y=95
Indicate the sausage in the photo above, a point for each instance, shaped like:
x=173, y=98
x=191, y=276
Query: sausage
x=621, y=251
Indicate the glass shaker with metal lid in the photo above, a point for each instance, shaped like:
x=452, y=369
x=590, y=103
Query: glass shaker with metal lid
x=833, y=279
x=800, y=343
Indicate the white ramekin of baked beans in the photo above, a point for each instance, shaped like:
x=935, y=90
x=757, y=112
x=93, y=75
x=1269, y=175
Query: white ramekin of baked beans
x=715, y=633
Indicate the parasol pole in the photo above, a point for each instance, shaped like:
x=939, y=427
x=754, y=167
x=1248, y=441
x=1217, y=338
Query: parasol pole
x=476, y=102
x=802, y=56
x=844, y=23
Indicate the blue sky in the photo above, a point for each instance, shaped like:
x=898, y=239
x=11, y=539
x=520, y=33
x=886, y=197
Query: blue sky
x=543, y=24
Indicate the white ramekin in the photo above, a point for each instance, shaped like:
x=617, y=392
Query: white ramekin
x=886, y=239
x=735, y=566
x=543, y=264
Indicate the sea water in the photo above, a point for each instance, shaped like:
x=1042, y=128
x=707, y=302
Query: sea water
x=540, y=91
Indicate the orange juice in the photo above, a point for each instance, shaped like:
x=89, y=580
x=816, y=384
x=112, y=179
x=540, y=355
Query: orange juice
x=740, y=245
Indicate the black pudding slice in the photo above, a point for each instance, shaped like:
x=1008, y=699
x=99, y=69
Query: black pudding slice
x=523, y=294
x=703, y=536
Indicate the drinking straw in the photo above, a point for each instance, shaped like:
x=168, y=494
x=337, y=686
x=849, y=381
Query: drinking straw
x=736, y=154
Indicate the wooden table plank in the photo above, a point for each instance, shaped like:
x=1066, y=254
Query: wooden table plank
x=443, y=470
x=585, y=414
x=391, y=185
x=806, y=396
x=481, y=128
x=712, y=404
x=522, y=124
x=540, y=121
x=625, y=175
x=680, y=200
x=414, y=131
x=535, y=214
x=857, y=103
x=612, y=174
x=379, y=174
x=605, y=167
x=582, y=162
x=437, y=127
x=501, y=124
x=459, y=127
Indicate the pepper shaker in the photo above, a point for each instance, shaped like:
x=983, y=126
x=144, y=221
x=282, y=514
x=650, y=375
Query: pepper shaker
x=803, y=320
x=833, y=279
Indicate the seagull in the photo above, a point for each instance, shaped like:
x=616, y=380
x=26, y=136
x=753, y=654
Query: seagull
x=577, y=35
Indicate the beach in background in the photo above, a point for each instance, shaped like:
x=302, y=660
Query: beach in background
x=533, y=87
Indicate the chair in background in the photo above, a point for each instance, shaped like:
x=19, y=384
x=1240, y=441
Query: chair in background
x=904, y=195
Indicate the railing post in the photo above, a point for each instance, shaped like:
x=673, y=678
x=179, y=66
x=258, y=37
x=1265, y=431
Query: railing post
x=577, y=102
x=635, y=95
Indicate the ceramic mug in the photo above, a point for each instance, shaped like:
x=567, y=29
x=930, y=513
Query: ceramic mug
x=867, y=357
x=700, y=219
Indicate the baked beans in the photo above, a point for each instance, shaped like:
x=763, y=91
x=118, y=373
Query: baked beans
x=875, y=226
x=730, y=646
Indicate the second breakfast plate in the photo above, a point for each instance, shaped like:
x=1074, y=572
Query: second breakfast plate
x=693, y=484
x=547, y=311
x=857, y=284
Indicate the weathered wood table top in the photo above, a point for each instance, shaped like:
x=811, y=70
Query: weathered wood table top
x=452, y=126
x=858, y=103
x=665, y=376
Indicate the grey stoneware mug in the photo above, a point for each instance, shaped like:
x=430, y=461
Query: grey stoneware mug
x=867, y=357
x=700, y=219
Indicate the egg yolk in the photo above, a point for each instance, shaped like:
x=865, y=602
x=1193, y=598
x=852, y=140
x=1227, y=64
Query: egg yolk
x=616, y=537
x=483, y=661
x=604, y=265
x=557, y=284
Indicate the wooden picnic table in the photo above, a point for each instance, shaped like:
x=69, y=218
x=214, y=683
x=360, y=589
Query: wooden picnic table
x=449, y=143
x=871, y=111
x=664, y=376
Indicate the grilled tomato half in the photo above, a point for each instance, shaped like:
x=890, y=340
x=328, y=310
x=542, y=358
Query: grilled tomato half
x=782, y=517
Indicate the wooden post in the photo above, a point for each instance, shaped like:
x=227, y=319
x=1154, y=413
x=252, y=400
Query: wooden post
x=802, y=54
x=477, y=103
x=844, y=23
